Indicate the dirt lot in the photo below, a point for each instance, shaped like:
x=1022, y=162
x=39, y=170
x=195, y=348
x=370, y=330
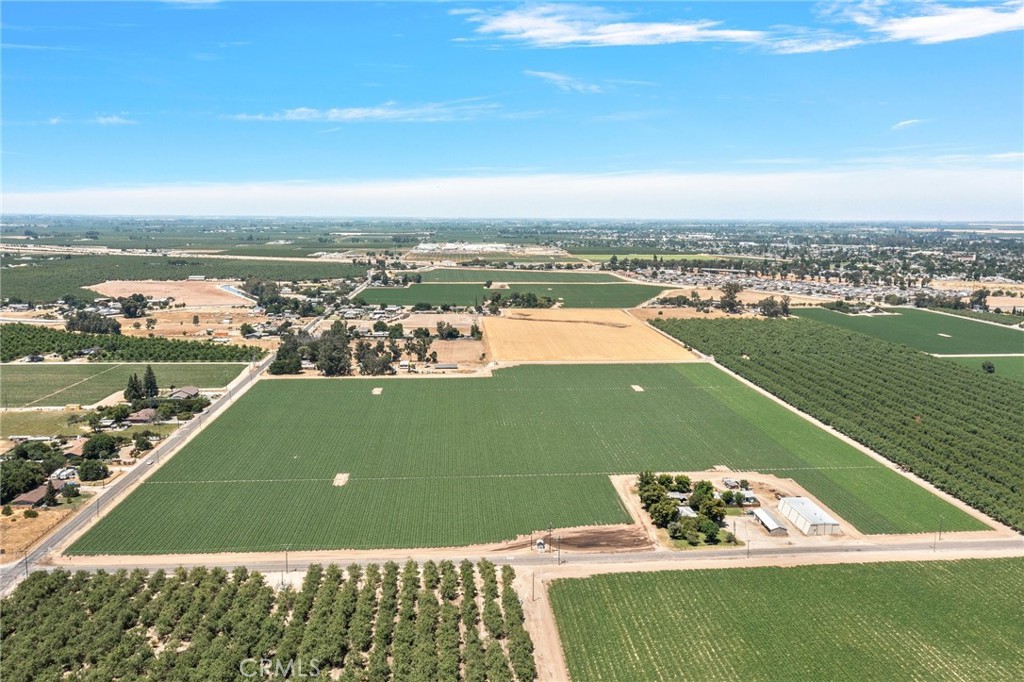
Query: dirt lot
x=18, y=533
x=680, y=313
x=462, y=351
x=748, y=296
x=577, y=335
x=177, y=324
x=205, y=293
x=965, y=285
x=461, y=321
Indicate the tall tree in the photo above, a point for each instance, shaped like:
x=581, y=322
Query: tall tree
x=149, y=385
x=133, y=391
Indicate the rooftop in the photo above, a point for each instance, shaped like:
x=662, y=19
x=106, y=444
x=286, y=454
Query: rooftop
x=809, y=510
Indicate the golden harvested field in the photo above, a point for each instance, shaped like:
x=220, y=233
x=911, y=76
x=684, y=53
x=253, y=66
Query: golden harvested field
x=205, y=293
x=577, y=335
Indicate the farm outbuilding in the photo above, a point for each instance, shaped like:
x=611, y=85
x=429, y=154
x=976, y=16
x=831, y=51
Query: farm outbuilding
x=770, y=523
x=808, y=516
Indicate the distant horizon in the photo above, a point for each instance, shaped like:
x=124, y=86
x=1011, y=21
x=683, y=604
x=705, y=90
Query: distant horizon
x=995, y=224
x=857, y=111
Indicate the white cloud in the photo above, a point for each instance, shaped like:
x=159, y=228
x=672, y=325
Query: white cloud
x=581, y=26
x=906, y=124
x=55, y=120
x=461, y=110
x=870, y=21
x=941, y=23
x=952, y=192
x=115, y=120
x=565, y=82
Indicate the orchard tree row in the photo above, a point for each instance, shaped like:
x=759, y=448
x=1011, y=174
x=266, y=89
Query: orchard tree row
x=378, y=623
x=20, y=340
x=953, y=426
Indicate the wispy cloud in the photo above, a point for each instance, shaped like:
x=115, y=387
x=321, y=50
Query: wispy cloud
x=941, y=23
x=565, y=82
x=40, y=48
x=114, y=120
x=867, y=21
x=460, y=110
x=907, y=124
x=582, y=26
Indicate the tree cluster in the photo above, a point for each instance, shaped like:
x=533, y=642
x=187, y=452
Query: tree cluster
x=92, y=323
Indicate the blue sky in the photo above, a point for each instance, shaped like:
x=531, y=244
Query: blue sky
x=832, y=110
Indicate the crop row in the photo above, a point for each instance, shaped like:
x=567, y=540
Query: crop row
x=937, y=620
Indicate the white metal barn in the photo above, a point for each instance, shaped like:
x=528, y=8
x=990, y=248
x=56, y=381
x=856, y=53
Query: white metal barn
x=807, y=516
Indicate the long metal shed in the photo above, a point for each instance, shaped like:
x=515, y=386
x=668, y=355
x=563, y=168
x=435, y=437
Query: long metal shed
x=770, y=523
x=811, y=519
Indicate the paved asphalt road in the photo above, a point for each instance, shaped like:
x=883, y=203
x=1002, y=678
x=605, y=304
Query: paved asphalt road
x=10, y=574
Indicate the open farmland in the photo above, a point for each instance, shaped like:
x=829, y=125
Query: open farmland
x=615, y=295
x=1011, y=368
x=51, y=279
x=52, y=384
x=481, y=275
x=956, y=427
x=927, y=331
x=577, y=335
x=957, y=620
x=447, y=462
x=372, y=623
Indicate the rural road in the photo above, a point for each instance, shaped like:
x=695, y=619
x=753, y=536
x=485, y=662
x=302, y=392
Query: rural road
x=10, y=574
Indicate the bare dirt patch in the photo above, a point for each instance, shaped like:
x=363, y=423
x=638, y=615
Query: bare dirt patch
x=18, y=533
x=577, y=335
x=204, y=293
x=215, y=322
x=654, y=313
x=340, y=480
x=461, y=321
x=461, y=351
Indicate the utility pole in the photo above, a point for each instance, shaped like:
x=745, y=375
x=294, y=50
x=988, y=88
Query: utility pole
x=559, y=539
x=286, y=558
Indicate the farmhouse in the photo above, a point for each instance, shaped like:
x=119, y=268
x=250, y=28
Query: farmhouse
x=30, y=499
x=686, y=512
x=770, y=523
x=184, y=393
x=142, y=416
x=75, y=448
x=807, y=516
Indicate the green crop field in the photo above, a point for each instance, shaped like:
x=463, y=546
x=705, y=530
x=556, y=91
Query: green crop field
x=449, y=462
x=49, y=280
x=943, y=620
x=480, y=275
x=1009, y=367
x=52, y=384
x=927, y=331
x=616, y=295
